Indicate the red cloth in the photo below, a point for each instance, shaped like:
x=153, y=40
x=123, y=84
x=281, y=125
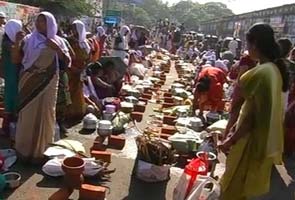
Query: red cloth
x=243, y=65
x=101, y=44
x=215, y=94
x=95, y=50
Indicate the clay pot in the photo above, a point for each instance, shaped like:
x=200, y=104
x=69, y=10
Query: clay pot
x=170, y=120
x=171, y=130
x=137, y=116
x=61, y=194
x=168, y=99
x=168, y=105
x=91, y=192
x=73, y=168
x=116, y=142
x=146, y=96
x=139, y=108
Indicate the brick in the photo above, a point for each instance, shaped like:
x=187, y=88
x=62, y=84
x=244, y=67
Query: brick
x=101, y=155
x=116, y=142
x=92, y=192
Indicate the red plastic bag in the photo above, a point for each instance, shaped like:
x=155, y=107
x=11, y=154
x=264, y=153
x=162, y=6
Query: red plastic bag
x=198, y=166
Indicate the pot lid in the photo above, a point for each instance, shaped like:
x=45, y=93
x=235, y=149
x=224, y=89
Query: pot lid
x=90, y=118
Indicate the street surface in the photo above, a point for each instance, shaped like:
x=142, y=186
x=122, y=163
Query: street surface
x=123, y=186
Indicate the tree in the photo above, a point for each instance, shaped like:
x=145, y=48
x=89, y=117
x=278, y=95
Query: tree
x=61, y=7
x=191, y=13
x=136, y=16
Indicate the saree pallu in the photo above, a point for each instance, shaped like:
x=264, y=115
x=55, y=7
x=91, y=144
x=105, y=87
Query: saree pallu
x=63, y=96
x=78, y=106
x=36, y=121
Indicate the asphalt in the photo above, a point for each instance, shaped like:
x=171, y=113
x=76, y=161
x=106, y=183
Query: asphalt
x=123, y=184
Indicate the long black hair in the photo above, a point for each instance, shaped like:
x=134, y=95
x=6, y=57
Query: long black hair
x=262, y=36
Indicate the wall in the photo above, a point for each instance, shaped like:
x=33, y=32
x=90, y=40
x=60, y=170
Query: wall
x=282, y=19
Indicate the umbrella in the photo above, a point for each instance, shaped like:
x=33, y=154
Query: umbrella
x=118, y=63
x=142, y=29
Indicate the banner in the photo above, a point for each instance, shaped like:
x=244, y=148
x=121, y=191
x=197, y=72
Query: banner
x=22, y=12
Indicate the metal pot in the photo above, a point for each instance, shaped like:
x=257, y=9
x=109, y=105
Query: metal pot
x=12, y=179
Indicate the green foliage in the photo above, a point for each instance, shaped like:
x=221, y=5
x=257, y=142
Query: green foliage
x=136, y=16
x=188, y=12
x=60, y=7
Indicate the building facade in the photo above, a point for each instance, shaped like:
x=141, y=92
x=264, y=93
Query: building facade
x=282, y=19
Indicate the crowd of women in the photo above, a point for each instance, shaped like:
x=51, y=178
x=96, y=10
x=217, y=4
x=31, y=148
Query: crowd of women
x=260, y=129
x=51, y=77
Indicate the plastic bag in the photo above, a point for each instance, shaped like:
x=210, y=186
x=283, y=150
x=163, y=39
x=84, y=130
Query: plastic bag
x=206, y=188
x=54, y=167
x=188, y=179
x=8, y=157
x=119, y=122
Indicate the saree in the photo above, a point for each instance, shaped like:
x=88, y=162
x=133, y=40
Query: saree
x=11, y=79
x=36, y=121
x=77, y=109
x=250, y=161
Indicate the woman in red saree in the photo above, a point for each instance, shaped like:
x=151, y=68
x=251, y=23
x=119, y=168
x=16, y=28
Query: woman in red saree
x=209, y=90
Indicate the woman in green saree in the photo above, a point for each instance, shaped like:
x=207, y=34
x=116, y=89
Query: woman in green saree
x=255, y=145
x=11, y=71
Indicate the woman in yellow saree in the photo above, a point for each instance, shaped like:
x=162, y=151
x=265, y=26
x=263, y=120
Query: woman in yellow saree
x=256, y=143
x=38, y=88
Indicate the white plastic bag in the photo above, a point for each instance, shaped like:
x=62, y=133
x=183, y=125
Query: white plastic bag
x=54, y=167
x=206, y=188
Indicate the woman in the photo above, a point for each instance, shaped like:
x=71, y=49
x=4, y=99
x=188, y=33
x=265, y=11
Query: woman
x=82, y=50
x=12, y=32
x=107, y=83
x=209, y=90
x=136, y=67
x=63, y=95
x=120, y=46
x=94, y=72
x=256, y=143
x=94, y=46
x=38, y=88
x=101, y=38
x=245, y=64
